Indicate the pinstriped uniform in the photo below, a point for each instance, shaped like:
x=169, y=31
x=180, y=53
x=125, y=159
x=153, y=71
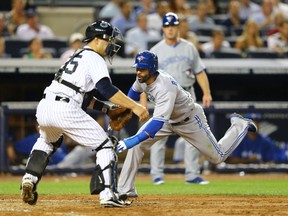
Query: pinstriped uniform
x=56, y=117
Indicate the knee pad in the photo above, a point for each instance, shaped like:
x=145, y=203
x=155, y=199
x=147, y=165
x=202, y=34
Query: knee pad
x=97, y=182
x=37, y=163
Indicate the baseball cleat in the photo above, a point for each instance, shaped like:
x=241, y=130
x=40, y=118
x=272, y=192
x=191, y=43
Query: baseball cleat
x=197, y=180
x=158, y=181
x=106, y=203
x=125, y=196
x=29, y=194
x=252, y=126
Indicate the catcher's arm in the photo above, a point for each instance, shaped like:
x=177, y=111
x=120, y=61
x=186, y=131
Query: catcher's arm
x=116, y=96
x=101, y=106
x=119, y=116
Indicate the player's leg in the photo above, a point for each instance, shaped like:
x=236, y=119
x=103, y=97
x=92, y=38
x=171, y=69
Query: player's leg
x=197, y=132
x=87, y=132
x=48, y=142
x=37, y=163
x=192, y=165
x=179, y=149
x=129, y=170
x=157, y=161
x=126, y=183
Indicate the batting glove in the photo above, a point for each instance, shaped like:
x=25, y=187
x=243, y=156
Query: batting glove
x=121, y=146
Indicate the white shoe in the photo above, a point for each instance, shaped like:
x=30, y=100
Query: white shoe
x=114, y=203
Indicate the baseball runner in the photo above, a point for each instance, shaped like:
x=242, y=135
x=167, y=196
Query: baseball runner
x=180, y=59
x=175, y=112
x=61, y=111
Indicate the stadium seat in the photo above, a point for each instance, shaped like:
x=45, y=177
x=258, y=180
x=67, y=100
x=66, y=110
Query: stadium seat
x=262, y=53
x=52, y=51
x=14, y=45
x=219, y=18
x=207, y=31
x=227, y=53
x=236, y=30
x=203, y=39
x=232, y=40
x=56, y=43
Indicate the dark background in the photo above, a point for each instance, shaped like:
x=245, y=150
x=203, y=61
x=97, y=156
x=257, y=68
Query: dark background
x=224, y=87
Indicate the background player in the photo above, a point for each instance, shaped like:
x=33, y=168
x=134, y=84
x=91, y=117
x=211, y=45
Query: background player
x=60, y=111
x=175, y=112
x=179, y=58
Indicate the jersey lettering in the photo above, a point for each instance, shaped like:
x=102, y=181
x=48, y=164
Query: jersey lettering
x=174, y=82
x=74, y=62
x=150, y=98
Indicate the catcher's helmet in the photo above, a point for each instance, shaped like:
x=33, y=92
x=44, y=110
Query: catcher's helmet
x=170, y=19
x=103, y=30
x=146, y=60
x=106, y=31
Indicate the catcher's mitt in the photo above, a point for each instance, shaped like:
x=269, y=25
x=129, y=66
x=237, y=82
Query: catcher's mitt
x=119, y=117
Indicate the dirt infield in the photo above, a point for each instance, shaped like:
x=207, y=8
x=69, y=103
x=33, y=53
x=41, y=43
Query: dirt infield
x=149, y=204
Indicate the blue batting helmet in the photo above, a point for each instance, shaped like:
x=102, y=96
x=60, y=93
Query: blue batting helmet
x=170, y=19
x=146, y=60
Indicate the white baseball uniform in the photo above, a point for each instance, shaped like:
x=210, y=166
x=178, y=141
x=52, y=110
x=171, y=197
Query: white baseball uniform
x=182, y=116
x=183, y=62
x=60, y=112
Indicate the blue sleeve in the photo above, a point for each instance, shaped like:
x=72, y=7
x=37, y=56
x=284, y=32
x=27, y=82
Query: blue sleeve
x=152, y=128
x=135, y=140
x=106, y=88
x=134, y=95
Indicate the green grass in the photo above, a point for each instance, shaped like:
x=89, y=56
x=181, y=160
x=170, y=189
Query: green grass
x=216, y=187
x=221, y=187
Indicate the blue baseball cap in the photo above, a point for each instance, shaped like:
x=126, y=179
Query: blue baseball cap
x=146, y=60
x=170, y=19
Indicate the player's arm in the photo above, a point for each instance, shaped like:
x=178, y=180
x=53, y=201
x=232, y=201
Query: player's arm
x=101, y=106
x=162, y=108
x=203, y=82
x=116, y=96
x=148, y=132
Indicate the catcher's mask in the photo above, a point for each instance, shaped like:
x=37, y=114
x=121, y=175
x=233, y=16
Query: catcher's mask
x=106, y=31
x=146, y=60
x=170, y=19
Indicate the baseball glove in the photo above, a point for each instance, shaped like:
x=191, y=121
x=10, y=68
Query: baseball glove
x=119, y=117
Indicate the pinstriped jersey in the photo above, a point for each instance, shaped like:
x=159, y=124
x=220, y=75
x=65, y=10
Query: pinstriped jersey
x=172, y=103
x=84, y=71
x=182, y=61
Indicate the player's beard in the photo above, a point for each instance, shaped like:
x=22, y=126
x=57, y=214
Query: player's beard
x=144, y=79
